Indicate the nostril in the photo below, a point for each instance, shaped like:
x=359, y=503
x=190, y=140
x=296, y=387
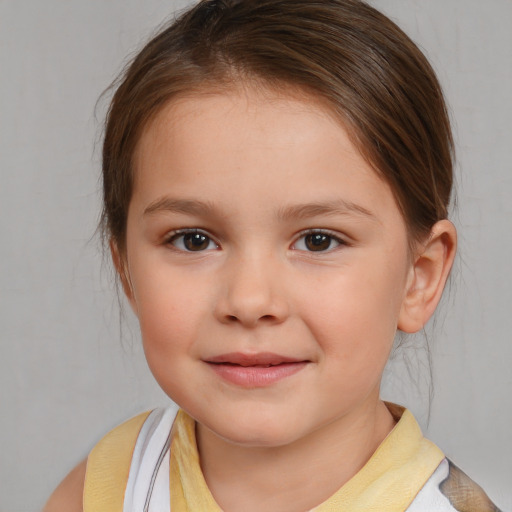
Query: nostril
x=264, y=318
x=250, y=308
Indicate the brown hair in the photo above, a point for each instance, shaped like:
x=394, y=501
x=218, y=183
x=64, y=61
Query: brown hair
x=342, y=51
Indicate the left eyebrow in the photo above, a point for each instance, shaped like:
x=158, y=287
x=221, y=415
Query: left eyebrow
x=186, y=206
x=335, y=207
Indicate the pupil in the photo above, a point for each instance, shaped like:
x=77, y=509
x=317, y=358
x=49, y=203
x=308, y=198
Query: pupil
x=195, y=241
x=318, y=242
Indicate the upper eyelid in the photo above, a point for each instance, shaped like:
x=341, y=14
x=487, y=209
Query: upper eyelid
x=333, y=234
x=186, y=231
x=171, y=235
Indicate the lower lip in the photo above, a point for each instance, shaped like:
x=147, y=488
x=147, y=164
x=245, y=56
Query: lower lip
x=256, y=376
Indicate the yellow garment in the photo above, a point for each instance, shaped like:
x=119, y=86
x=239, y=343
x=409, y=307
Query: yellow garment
x=395, y=473
x=108, y=467
x=388, y=482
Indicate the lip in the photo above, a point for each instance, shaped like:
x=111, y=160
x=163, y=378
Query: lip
x=255, y=370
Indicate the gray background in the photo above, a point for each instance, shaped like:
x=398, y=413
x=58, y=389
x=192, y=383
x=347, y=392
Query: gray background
x=69, y=372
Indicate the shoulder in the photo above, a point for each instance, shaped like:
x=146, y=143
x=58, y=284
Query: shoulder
x=103, y=473
x=108, y=467
x=68, y=495
x=462, y=492
x=449, y=489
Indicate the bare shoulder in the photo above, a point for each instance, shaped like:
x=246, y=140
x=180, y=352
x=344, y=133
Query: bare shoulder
x=68, y=496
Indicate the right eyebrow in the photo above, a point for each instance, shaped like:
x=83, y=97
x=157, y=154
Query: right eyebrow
x=333, y=207
x=186, y=206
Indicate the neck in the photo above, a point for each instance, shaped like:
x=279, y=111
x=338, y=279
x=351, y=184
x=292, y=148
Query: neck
x=297, y=476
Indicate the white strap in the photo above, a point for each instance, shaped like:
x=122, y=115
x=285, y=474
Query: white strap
x=147, y=489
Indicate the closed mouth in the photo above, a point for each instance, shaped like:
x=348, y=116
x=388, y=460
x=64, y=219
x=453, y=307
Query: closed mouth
x=260, y=360
x=255, y=370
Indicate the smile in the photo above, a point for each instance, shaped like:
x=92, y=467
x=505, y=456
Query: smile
x=254, y=370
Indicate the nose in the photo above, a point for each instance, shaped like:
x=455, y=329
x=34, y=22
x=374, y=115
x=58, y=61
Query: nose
x=252, y=293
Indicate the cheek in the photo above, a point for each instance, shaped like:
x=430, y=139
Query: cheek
x=171, y=310
x=169, y=324
x=354, y=319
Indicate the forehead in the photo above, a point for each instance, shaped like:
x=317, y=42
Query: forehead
x=193, y=113
x=244, y=138
x=252, y=95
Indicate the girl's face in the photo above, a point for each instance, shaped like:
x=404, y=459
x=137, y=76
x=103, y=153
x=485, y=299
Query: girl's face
x=267, y=264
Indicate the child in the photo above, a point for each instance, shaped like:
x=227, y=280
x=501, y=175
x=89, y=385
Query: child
x=277, y=175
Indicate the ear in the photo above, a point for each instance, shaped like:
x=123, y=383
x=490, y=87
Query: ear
x=121, y=267
x=427, y=278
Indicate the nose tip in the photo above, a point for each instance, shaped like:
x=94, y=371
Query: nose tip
x=251, y=296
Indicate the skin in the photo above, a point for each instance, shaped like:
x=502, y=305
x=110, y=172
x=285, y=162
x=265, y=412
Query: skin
x=256, y=172
x=68, y=495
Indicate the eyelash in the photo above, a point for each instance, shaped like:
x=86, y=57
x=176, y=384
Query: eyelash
x=173, y=237
x=181, y=233
x=325, y=233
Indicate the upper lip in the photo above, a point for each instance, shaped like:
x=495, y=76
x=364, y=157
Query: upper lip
x=262, y=358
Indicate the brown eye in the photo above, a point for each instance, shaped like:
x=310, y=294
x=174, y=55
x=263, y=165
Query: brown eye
x=193, y=241
x=318, y=242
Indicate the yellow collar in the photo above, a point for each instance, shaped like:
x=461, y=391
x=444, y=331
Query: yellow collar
x=388, y=482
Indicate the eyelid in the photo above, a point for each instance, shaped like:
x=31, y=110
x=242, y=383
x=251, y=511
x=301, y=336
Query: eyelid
x=174, y=234
x=336, y=236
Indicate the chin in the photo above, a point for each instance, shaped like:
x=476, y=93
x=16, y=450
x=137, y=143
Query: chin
x=258, y=433
x=259, y=439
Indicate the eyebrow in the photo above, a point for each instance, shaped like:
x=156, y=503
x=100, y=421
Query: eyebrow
x=187, y=206
x=334, y=207
x=299, y=211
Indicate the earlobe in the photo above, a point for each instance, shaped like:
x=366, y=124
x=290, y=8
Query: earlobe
x=122, y=271
x=428, y=276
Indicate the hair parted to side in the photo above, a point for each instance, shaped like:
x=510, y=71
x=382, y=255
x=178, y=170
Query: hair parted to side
x=344, y=52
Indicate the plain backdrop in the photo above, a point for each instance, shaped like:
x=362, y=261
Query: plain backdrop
x=71, y=368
